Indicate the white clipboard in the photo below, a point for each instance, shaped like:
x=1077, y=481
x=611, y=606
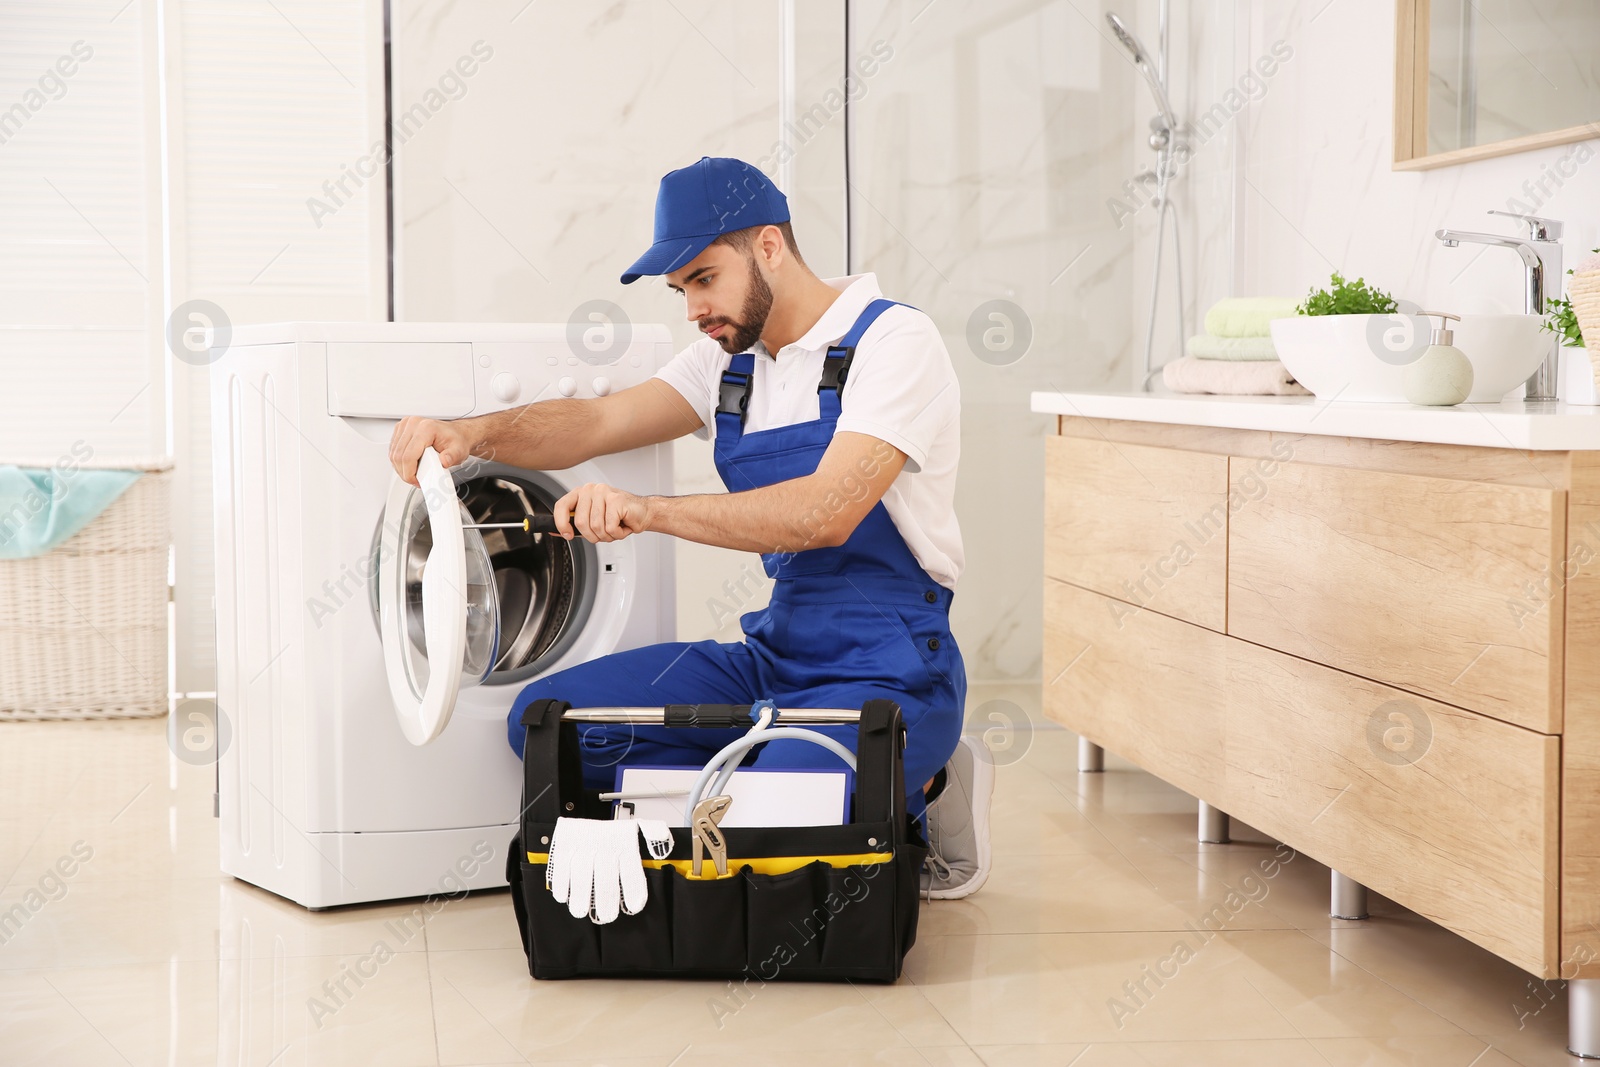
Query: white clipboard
x=792, y=797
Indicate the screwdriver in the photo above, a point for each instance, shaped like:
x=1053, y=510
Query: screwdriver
x=531, y=524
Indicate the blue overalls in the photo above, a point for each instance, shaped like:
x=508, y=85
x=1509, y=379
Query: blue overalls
x=844, y=625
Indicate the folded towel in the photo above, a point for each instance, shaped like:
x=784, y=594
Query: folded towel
x=40, y=508
x=1247, y=316
x=1206, y=346
x=1234, y=378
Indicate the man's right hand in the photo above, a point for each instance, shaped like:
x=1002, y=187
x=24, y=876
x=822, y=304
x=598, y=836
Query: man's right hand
x=453, y=441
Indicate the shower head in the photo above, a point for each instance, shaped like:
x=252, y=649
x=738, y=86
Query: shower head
x=1126, y=36
x=1141, y=59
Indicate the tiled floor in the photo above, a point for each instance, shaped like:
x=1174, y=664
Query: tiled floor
x=145, y=955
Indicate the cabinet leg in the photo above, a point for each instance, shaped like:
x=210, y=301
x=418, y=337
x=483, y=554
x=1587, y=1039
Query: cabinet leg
x=1213, y=825
x=1348, y=897
x=1583, y=1017
x=1091, y=757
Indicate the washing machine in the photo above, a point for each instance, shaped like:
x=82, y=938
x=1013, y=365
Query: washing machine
x=371, y=639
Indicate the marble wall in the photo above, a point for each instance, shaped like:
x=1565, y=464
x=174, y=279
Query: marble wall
x=1320, y=193
x=1308, y=187
x=525, y=195
x=987, y=145
x=986, y=152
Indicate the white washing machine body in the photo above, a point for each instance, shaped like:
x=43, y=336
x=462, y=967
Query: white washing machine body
x=322, y=798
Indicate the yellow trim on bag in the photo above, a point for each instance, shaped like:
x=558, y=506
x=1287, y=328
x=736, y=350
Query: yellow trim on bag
x=757, y=865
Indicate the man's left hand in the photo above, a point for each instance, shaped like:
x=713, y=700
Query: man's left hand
x=601, y=512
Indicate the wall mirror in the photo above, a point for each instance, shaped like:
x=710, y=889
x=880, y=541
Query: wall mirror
x=1481, y=78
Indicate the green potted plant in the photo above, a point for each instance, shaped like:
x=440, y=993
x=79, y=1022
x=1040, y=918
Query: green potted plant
x=1347, y=298
x=1561, y=320
x=1353, y=341
x=1335, y=342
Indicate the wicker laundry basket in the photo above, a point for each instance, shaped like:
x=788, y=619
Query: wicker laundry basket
x=83, y=628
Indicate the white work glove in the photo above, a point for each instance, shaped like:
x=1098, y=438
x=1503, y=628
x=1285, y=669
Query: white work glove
x=594, y=866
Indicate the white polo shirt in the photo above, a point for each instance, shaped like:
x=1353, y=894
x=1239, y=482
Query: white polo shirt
x=901, y=389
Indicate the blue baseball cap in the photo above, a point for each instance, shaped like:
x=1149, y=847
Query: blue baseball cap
x=700, y=203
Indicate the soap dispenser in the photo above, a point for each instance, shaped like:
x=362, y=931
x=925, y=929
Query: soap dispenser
x=1442, y=375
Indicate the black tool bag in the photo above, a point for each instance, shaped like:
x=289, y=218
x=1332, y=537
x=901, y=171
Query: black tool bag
x=824, y=903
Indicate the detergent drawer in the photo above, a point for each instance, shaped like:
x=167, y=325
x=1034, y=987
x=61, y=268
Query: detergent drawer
x=393, y=379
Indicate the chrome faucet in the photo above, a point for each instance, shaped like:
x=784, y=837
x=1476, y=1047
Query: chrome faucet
x=1541, y=254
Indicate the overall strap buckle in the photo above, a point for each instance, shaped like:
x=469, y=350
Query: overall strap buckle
x=835, y=368
x=733, y=394
x=836, y=364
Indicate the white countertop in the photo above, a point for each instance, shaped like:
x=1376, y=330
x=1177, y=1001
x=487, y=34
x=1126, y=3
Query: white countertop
x=1552, y=427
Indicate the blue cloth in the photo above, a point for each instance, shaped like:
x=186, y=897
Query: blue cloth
x=845, y=625
x=42, y=507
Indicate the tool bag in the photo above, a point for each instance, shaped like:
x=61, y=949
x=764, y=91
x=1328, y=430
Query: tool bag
x=829, y=903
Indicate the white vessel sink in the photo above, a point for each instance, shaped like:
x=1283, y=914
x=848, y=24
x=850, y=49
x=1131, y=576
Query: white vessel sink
x=1360, y=357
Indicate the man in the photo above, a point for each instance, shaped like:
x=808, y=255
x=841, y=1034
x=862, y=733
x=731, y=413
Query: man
x=835, y=416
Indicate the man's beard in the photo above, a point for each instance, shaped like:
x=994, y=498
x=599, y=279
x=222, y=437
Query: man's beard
x=741, y=335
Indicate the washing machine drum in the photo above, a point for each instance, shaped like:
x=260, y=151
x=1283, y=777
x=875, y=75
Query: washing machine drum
x=458, y=606
x=541, y=582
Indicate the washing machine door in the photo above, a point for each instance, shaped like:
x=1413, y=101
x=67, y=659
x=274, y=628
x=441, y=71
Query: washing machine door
x=438, y=614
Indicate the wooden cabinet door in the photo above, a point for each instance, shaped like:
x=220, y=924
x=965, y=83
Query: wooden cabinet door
x=1147, y=526
x=1150, y=688
x=1437, y=586
x=1451, y=813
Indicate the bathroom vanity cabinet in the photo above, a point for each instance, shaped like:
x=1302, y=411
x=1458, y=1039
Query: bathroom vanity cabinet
x=1374, y=635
